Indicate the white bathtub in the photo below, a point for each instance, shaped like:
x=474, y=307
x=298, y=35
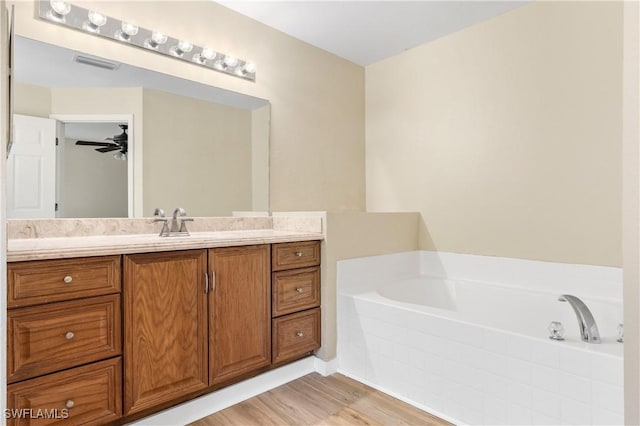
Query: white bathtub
x=465, y=337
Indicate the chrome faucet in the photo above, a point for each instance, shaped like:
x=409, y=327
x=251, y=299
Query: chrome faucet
x=179, y=222
x=586, y=322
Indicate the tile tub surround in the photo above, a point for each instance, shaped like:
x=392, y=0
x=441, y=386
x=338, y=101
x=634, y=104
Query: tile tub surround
x=65, y=238
x=470, y=373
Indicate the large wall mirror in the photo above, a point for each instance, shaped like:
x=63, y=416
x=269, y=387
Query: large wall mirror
x=95, y=138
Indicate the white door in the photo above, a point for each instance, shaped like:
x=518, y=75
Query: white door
x=31, y=168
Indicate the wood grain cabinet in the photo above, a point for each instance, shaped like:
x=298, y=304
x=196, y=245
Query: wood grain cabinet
x=64, y=341
x=165, y=335
x=296, y=300
x=113, y=338
x=240, y=311
x=87, y=395
x=186, y=330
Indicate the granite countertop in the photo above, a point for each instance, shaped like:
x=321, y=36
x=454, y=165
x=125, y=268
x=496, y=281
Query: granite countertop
x=68, y=247
x=60, y=239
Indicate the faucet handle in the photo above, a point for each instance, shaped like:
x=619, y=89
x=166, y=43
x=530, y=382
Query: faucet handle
x=165, y=225
x=183, y=224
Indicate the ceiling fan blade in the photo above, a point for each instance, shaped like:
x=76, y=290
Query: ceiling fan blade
x=107, y=149
x=90, y=143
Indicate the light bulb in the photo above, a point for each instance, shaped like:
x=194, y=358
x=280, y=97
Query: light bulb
x=155, y=41
x=185, y=46
x=96, y=20
x=128, y=30
x=120, y=156
x=158, y=37
x=58, y=10
x=250, y=68
x=204, y=56
x=182, y=48
x=230, y=61
x=208, y=54
x=60, y=7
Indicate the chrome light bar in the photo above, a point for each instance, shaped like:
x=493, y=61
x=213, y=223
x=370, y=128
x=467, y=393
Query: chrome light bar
x=95, y=23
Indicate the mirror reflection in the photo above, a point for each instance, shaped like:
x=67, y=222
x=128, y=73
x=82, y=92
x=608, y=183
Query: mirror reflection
x=186, y=144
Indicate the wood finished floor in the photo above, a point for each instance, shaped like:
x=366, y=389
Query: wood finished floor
x=316, y=400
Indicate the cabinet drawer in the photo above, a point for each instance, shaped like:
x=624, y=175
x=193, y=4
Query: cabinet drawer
x=295, y=255
x=43, y=339
x=87, y=395
x=295, y=335
x=295, y=290
x=43, y=281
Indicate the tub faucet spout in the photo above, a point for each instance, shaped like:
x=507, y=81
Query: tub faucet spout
x=586, y=322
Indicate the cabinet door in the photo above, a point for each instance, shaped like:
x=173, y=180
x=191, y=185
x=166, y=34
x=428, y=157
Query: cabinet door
x=165, y=317
x=240, y=311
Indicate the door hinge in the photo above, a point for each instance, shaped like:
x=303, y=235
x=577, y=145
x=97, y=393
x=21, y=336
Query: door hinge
x=56, y=141
x=56, y=207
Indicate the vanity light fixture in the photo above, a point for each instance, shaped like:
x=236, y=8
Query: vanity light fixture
x=126, y=31
x=93, y=22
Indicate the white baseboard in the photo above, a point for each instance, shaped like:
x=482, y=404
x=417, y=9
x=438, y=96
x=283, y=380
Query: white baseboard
x=226, y=397
x=326, y=368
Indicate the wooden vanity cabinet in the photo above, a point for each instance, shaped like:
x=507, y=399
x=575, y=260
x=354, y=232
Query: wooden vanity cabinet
x=186, y=331
x=239, y=311
x=184, y=324
x=296, y=300
x=165, y=334
x=64, y=340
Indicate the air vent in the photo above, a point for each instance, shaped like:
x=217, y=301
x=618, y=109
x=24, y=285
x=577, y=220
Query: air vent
x=111, y=66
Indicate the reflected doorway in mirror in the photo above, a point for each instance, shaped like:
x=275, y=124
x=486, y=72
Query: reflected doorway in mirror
x=92, y=180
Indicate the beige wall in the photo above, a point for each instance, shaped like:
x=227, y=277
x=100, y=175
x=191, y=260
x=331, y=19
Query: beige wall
x=317, y=114
x=631, y=212
x=33, y=100
x=260, y=158
x=350, y=235
x=197, y=155
x=506, y=136
x=95, y=185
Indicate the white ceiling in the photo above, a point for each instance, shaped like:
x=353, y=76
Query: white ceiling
x=365, y=32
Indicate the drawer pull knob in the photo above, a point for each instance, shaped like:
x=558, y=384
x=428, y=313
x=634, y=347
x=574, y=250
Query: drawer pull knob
x=68, y=279
x=299, y=334
x=69, y=335
x=298, y=254
x=299, y=290
x=70, y=403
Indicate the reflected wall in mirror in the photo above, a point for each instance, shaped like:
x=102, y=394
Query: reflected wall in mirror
x=191, y=145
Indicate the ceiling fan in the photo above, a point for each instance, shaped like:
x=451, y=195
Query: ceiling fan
x=118, y=143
